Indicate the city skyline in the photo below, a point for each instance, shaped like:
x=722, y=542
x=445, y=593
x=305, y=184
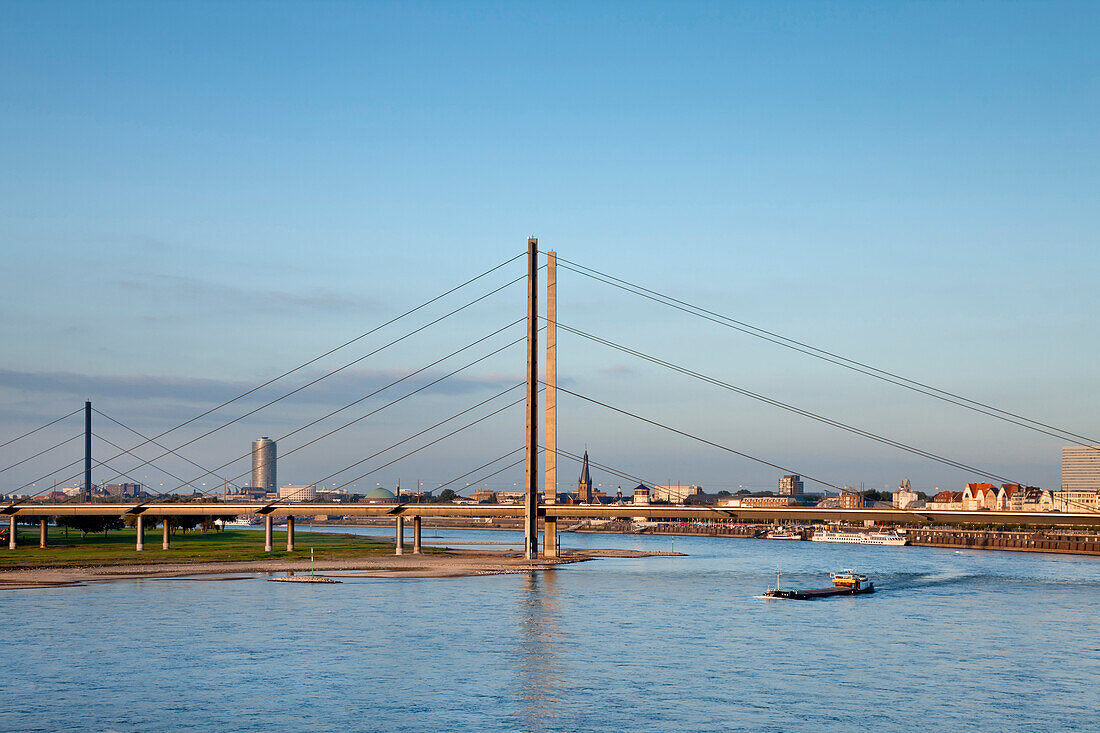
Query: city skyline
x=208, y=219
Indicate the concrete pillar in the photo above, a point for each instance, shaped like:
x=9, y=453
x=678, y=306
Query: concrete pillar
x=400, y=550
x=11, y=532
x=550, y=460
x=269, y=525
x=416, y=535
x=550, y=537
x=140, y=525
x=166, y=542
x=531, y=456
x=290, y=534
x=43, y=533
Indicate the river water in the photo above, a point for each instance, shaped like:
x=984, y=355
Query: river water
x=952, y=641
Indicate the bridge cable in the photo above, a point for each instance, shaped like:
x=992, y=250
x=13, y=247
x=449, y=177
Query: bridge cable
x=696, y=437
x=499, y=470
x=602, y=467
x=426, y=445
x=405, y=440
x=482, y=466
x=154, y=442
x=39, y=453
x=833, y=358
x=162, y=470
x=42, y=427
x=788, y=407
x=381, y=389
x=318, y=379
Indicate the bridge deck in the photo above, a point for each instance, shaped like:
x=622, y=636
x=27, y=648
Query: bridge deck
x=569, y=511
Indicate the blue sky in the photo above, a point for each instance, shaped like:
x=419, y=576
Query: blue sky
x=199, y=196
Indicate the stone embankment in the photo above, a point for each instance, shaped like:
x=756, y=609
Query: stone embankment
x=1075, y=543
x=1061, y=541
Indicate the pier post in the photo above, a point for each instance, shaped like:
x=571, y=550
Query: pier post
x=269, y=523
x=290, y=534
x=416, y=535
x=400, y=550
x=43, y=533
x=140, y=525
x=11, y=532
x=550, y=537
x=166, y=541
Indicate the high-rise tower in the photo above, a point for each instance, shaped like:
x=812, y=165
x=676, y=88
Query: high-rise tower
x=263, y=464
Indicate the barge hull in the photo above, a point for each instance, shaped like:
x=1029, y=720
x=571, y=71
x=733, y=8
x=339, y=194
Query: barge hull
x=809, y=595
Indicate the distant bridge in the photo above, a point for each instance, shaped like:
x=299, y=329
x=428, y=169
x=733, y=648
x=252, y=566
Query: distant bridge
x=547, y=513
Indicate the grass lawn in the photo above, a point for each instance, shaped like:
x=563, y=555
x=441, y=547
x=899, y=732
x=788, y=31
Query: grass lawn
x=231, y=545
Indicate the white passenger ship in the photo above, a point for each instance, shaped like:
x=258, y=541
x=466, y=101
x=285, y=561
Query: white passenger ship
x=858, y=538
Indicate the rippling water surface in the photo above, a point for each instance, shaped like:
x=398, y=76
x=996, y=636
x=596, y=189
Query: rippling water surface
x=953, y=641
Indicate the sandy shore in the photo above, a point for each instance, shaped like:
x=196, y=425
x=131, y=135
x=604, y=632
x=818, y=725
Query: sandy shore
x=452, y=564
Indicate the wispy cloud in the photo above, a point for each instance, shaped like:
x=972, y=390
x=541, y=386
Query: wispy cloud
x=338, y=389
x=616, y=370
x=189, y=288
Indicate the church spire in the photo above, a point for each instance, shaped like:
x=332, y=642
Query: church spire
x=584, y=485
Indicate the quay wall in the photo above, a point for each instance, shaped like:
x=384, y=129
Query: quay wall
x=1057, y=541
x=977, y=539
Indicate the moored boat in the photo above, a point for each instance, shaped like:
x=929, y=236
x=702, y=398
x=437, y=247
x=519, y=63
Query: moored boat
x=781, y=533
x=887, y=537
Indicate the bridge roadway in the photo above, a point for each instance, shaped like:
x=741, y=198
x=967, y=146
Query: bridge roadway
x=549, y=513
x=571, y=511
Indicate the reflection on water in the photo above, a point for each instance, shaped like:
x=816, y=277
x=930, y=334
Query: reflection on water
x=660, y=643
x=540, y=676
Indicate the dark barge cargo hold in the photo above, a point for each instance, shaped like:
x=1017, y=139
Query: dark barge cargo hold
x=846, y=583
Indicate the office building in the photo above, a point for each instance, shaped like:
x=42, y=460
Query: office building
x=790, y=485
x=1081, y=468
x=297, y=492
x=263, y=465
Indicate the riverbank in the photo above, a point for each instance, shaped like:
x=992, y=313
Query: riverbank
x=235, y=554
x=444, y=565
x=1057, y=541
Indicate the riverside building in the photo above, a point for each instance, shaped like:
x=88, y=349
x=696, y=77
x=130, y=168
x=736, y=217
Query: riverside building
x=297, y=492
x=1081, y=468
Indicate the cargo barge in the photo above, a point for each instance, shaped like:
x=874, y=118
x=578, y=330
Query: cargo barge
x=845, y=583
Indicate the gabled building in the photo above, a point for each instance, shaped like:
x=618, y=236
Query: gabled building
x=1006, y=497
x=946, y=501
x=979, y=496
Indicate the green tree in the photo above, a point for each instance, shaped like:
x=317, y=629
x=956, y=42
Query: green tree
x=89, y=524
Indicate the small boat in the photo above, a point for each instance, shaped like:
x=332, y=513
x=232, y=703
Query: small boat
x=845, y=583
x=781, y=533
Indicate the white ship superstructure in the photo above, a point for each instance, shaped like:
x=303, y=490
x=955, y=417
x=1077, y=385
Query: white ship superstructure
x=858, y=538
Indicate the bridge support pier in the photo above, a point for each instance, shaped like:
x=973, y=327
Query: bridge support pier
x=400, y=549
x=269, y=525
x=416, y=535
x=290, y=534
x=166, y=537
x=43, y=533
x=140, y=525
x=11, y=532
x=550, y=537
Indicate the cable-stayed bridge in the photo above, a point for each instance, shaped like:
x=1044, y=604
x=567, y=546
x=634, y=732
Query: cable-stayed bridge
x=540, y=509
